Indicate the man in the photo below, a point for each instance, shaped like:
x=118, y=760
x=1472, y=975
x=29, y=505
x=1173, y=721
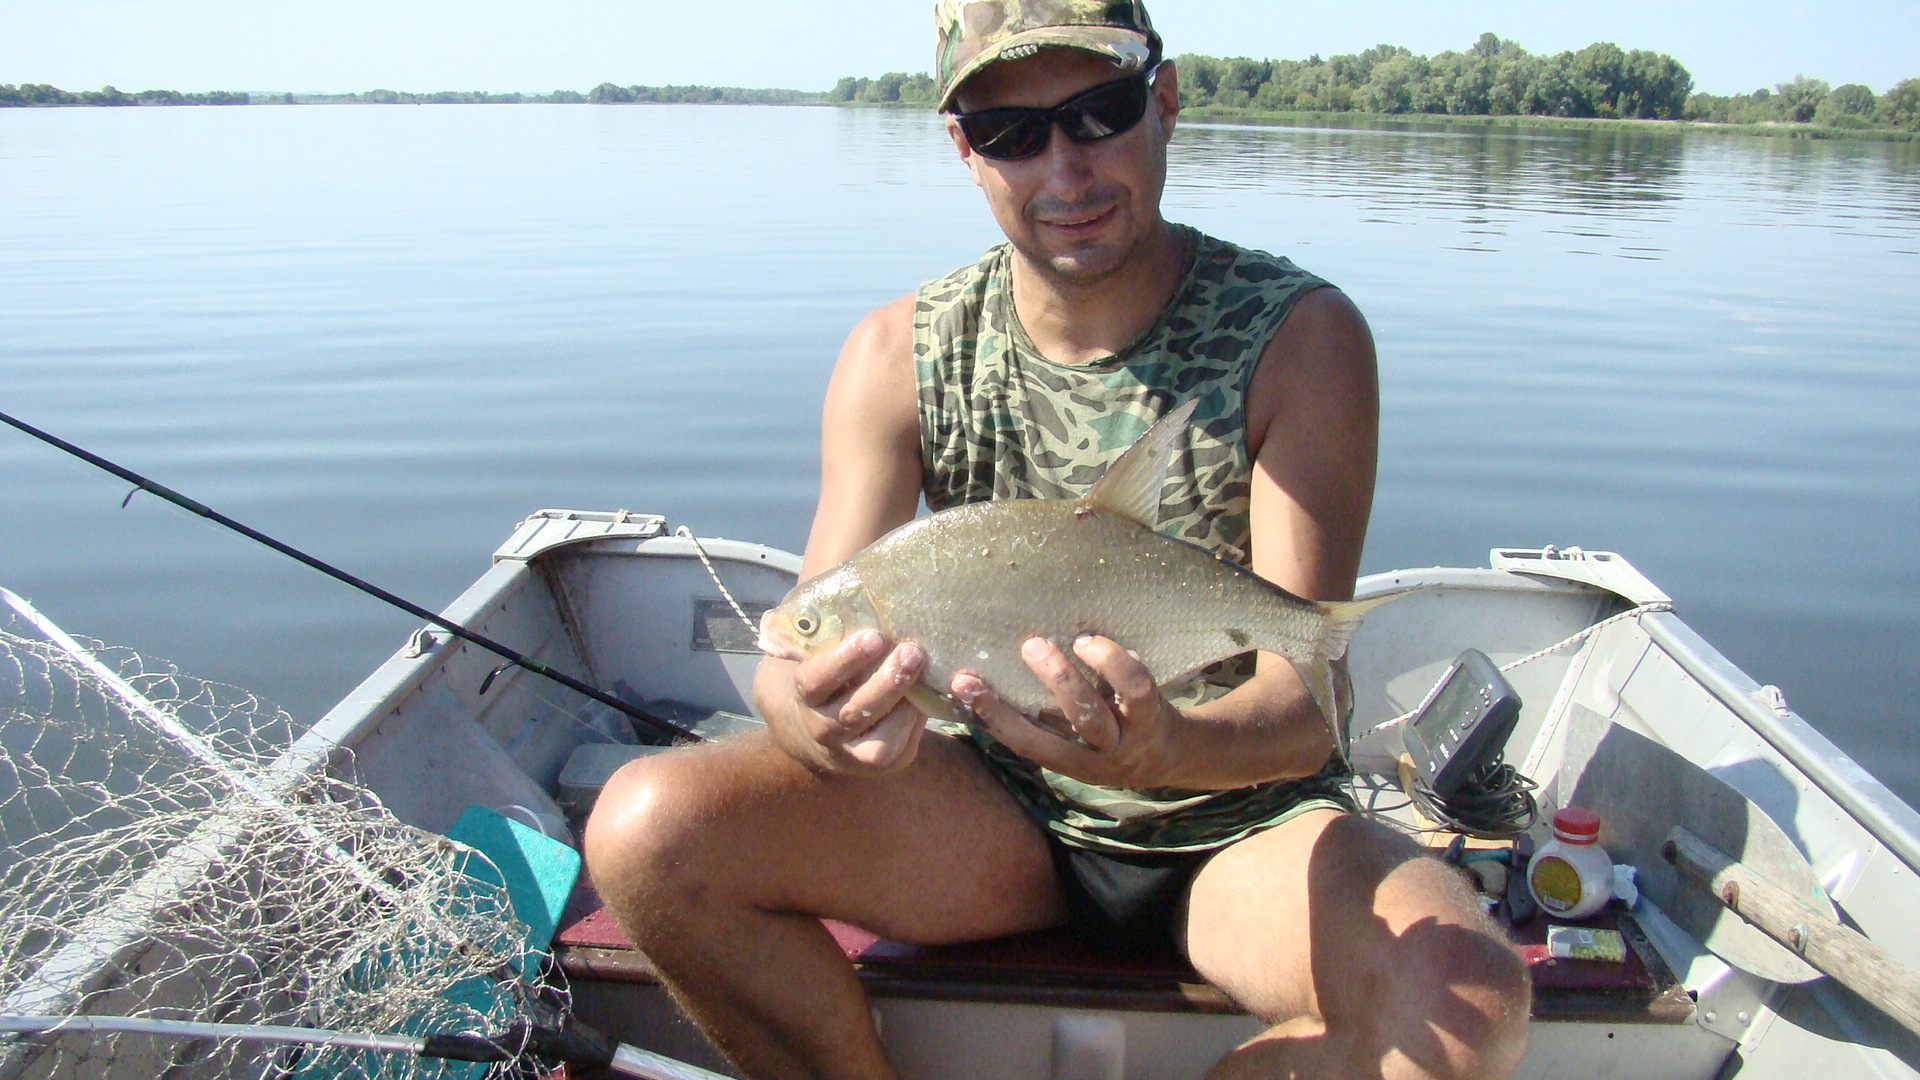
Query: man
x=1212, y=816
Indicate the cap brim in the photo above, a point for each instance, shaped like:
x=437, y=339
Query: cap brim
x=1126, y=48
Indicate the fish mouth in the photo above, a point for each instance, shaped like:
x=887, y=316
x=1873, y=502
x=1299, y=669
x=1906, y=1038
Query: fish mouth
x=774, y=640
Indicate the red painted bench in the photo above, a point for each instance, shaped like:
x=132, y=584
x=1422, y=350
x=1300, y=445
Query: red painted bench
x=1052, y=967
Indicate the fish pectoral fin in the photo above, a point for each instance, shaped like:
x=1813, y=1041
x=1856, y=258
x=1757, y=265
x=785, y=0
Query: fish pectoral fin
x=1131, y=485
x=938, y=706
x=1321, y=680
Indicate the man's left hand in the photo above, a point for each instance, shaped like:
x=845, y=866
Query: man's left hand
x=1127, y=725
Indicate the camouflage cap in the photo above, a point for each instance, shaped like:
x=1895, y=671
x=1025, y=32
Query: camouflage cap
x=975, y=33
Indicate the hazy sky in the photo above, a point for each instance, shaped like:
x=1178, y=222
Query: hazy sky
x=423, y=45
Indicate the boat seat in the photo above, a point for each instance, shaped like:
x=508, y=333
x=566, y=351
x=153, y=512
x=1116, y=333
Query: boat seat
x=1052, y=967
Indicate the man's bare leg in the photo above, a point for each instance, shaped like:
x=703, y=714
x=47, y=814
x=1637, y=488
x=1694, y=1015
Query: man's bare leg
x=718, y=862
x=1372, y=959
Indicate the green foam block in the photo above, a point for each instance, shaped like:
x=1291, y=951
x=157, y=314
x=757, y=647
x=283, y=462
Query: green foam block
x=537, y=871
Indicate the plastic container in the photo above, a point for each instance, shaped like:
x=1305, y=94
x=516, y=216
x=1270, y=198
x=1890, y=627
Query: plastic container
x=1571, y=876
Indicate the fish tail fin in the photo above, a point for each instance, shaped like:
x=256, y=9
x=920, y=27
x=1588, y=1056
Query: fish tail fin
x=1332, y=691
x=1343, y=620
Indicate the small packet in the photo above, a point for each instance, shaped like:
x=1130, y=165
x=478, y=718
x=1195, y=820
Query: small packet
x=1582, y=943
x=1625, y=888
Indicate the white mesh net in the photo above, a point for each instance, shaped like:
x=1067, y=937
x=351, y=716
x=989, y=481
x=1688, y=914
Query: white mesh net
x=161, y=855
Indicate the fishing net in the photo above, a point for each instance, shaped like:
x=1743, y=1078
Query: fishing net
x=163, y=855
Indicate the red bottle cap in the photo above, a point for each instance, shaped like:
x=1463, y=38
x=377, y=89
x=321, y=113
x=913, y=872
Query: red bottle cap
x=1576, y=826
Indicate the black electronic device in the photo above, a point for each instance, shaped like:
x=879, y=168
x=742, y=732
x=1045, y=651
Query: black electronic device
x=1463, y=724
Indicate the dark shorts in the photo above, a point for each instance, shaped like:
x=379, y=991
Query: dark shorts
x=1125, y=902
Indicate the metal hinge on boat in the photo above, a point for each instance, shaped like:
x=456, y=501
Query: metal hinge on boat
x=1601, y=569
x=550, y=529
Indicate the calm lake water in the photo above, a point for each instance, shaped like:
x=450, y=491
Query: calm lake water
x=385, y=334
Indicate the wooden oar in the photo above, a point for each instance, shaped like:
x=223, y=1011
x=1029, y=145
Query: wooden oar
x=1837, y=950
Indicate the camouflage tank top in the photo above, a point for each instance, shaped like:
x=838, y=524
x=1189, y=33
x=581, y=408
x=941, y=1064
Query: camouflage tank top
x=1000, y=421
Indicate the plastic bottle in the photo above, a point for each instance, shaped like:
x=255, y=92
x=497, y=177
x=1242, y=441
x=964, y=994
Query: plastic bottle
x=1571, y=876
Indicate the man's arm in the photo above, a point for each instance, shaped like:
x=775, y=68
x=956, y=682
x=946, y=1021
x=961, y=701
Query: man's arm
x=1313, y=432
x=843, y=710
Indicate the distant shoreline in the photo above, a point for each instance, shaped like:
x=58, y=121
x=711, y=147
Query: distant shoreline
x=1214, y=114
x=609, y=94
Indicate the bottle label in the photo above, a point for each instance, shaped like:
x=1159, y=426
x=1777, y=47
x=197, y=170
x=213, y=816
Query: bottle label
x=1556, y=884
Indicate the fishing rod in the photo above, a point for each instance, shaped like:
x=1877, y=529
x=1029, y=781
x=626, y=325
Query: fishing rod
x=513, y=657
x=574, y=1044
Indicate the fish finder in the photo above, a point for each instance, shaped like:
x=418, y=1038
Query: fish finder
x=1463, y=724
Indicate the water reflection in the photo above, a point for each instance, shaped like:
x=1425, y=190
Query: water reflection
x=1610, y=180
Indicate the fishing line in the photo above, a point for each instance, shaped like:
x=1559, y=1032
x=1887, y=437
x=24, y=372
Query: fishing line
x=513, y=657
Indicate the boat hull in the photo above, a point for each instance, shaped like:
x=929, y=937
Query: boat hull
x=618, y=601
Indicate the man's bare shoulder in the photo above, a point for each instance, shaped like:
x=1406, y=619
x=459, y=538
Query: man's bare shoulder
x=869, y=438
x=884, y=338
x=873, y=380
x=1325, y=324
x=1321, y=359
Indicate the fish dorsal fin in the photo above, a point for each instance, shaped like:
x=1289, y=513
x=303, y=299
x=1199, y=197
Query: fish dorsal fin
x=1131, y=486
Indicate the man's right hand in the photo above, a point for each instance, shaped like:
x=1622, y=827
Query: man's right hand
x=844, y=710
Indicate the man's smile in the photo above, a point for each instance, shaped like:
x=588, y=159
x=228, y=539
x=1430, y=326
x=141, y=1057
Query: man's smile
x=1081, y=222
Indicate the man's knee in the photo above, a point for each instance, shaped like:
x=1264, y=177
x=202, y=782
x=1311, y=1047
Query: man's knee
x=1426, y=973
x=1464, y=994
x=644, y=845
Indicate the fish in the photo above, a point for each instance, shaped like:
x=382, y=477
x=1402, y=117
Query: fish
x=970, y=584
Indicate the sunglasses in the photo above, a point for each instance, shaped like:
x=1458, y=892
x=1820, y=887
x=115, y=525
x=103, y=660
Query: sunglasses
x=1021, y=131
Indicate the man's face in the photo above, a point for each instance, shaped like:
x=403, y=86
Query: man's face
x=1076, y=212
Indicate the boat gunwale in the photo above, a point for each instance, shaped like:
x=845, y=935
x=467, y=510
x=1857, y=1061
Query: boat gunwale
x=1864, y=798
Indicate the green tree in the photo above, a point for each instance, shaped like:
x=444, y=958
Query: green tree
x=1849, y=106
x=1355, y=71
x=1758, y=107
x=886, y=87
x=1200, y=77
x=1244, y=77
x=920, y=89
x=1657, y=87
x=1900, y=106
x=1396, y=85
x=1851, y=100
x=1801, y=98
x=107, y=95
x=1599, y=76
x=1551, y=89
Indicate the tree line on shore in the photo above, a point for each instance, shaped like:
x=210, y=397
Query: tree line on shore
x=32, y=94
x=1492, y=78
x=609, y=94
x=40, y=94
x=27, y=94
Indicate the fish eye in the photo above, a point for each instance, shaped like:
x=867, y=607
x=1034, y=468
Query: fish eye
x=806, y=623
